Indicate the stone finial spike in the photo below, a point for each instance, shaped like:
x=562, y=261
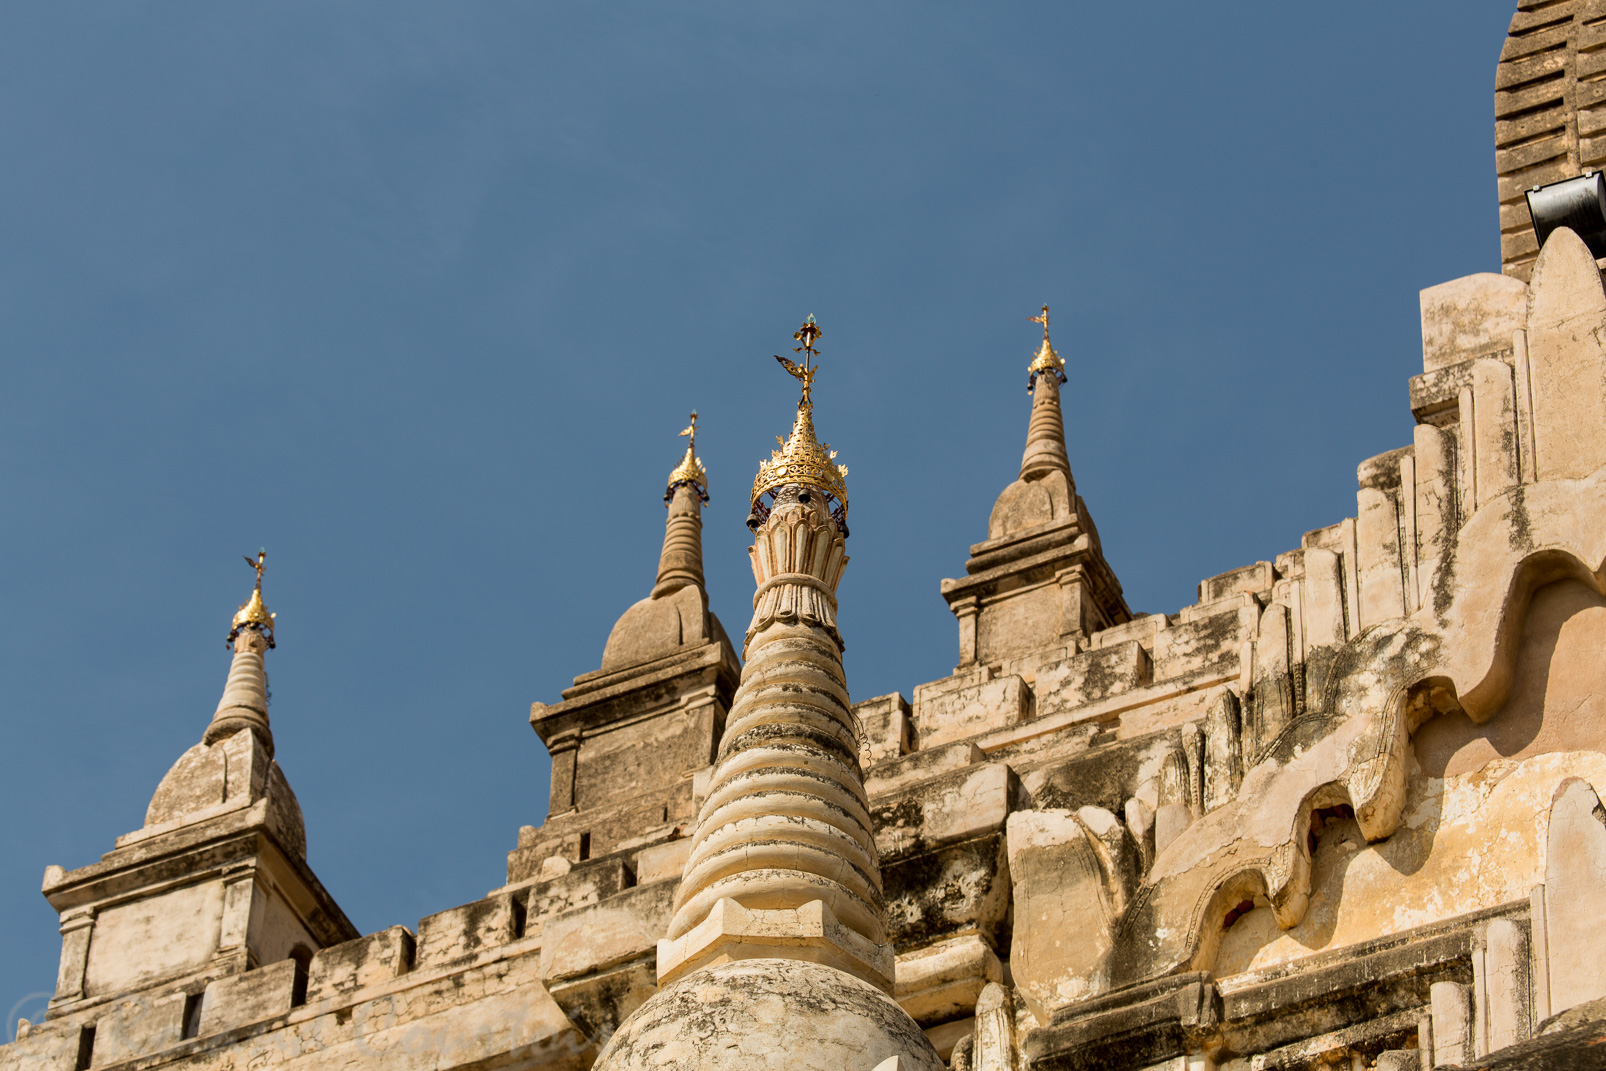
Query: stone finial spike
x=245, y=694
x=1045, y=433
x=681, y=561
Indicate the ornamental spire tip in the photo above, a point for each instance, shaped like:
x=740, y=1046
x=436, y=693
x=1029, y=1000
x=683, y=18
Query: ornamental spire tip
x=1045, y=360
x=253, y=613
x=801, y=459
x=690, y=471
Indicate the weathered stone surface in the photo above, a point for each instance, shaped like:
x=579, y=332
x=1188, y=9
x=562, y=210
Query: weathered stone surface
x=1204, y=642
x=662, y=862
x=894, y=774
x=1567, y=359
x=210, y=780
x=248, y=998
x=1504, y=1000
x=145, y=940
x=1470, y=317
x=809, y=932
x=757, y=1013
x=952, y=807
x=621, y=928
x=1452, y=1025
x=1575, y=894
x=368, y=961
x=1435, y=867
x=943, y=980
x=1253, y=579
x=886, y=728
x=597, y=1002
x=1073, y=875
x=465, y=931
x=954, y=889
x=966, y=705
x=1091, y=676
x=580, y=887
x=1557, y=701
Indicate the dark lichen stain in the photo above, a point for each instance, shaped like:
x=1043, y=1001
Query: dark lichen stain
x=1520, y=538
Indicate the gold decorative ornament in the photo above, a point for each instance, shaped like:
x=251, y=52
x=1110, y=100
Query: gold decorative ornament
x=1046, y=360
x=801, y=459
x=253, y=613
x=690, y=471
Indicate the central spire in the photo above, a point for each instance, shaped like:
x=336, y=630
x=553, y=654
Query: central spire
x=783, y=864
x=778, y=945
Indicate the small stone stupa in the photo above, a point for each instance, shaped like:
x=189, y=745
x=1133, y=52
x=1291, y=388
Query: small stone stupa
x=1041, y=574
x=213, y=892
x=778, y=945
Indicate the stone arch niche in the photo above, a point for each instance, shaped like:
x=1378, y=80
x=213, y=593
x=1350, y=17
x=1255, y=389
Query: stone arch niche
x=1472, y=827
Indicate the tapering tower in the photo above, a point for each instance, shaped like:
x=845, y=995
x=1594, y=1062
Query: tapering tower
x=778, y=938
x=245, y=695
x=681, y=561
x=628, y=738
x=1045, y=432
x=1040, y=579
x=222, y=856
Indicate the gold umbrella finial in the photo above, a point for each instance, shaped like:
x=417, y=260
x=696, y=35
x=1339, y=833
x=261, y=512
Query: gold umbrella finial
x=690, y=471
x=253, y=613
x=1045, y=360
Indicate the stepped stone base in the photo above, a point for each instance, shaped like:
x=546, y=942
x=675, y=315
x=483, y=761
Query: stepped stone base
x=811, y=932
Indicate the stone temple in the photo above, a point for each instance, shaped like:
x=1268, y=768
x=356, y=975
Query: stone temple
x=1342, y=812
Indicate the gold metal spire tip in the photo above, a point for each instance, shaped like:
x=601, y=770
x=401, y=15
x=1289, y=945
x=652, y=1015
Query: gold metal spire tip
x=690, y=471
x=801, y=459
x=1043, y=319
x=804, y=373
x=253, y=613
x=1045, y=360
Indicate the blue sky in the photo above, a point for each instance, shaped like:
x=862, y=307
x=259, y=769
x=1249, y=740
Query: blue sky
x=416, y=297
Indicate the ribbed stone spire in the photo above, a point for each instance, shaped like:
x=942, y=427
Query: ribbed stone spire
x=1045, y=433
x=681, y=561
x=245, y=694
x=783, y=864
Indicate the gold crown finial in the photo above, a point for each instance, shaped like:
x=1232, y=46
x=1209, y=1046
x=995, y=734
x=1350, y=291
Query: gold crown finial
x=253, y=613
x=690, y=471
x=801, y=459
x=1045, y=360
